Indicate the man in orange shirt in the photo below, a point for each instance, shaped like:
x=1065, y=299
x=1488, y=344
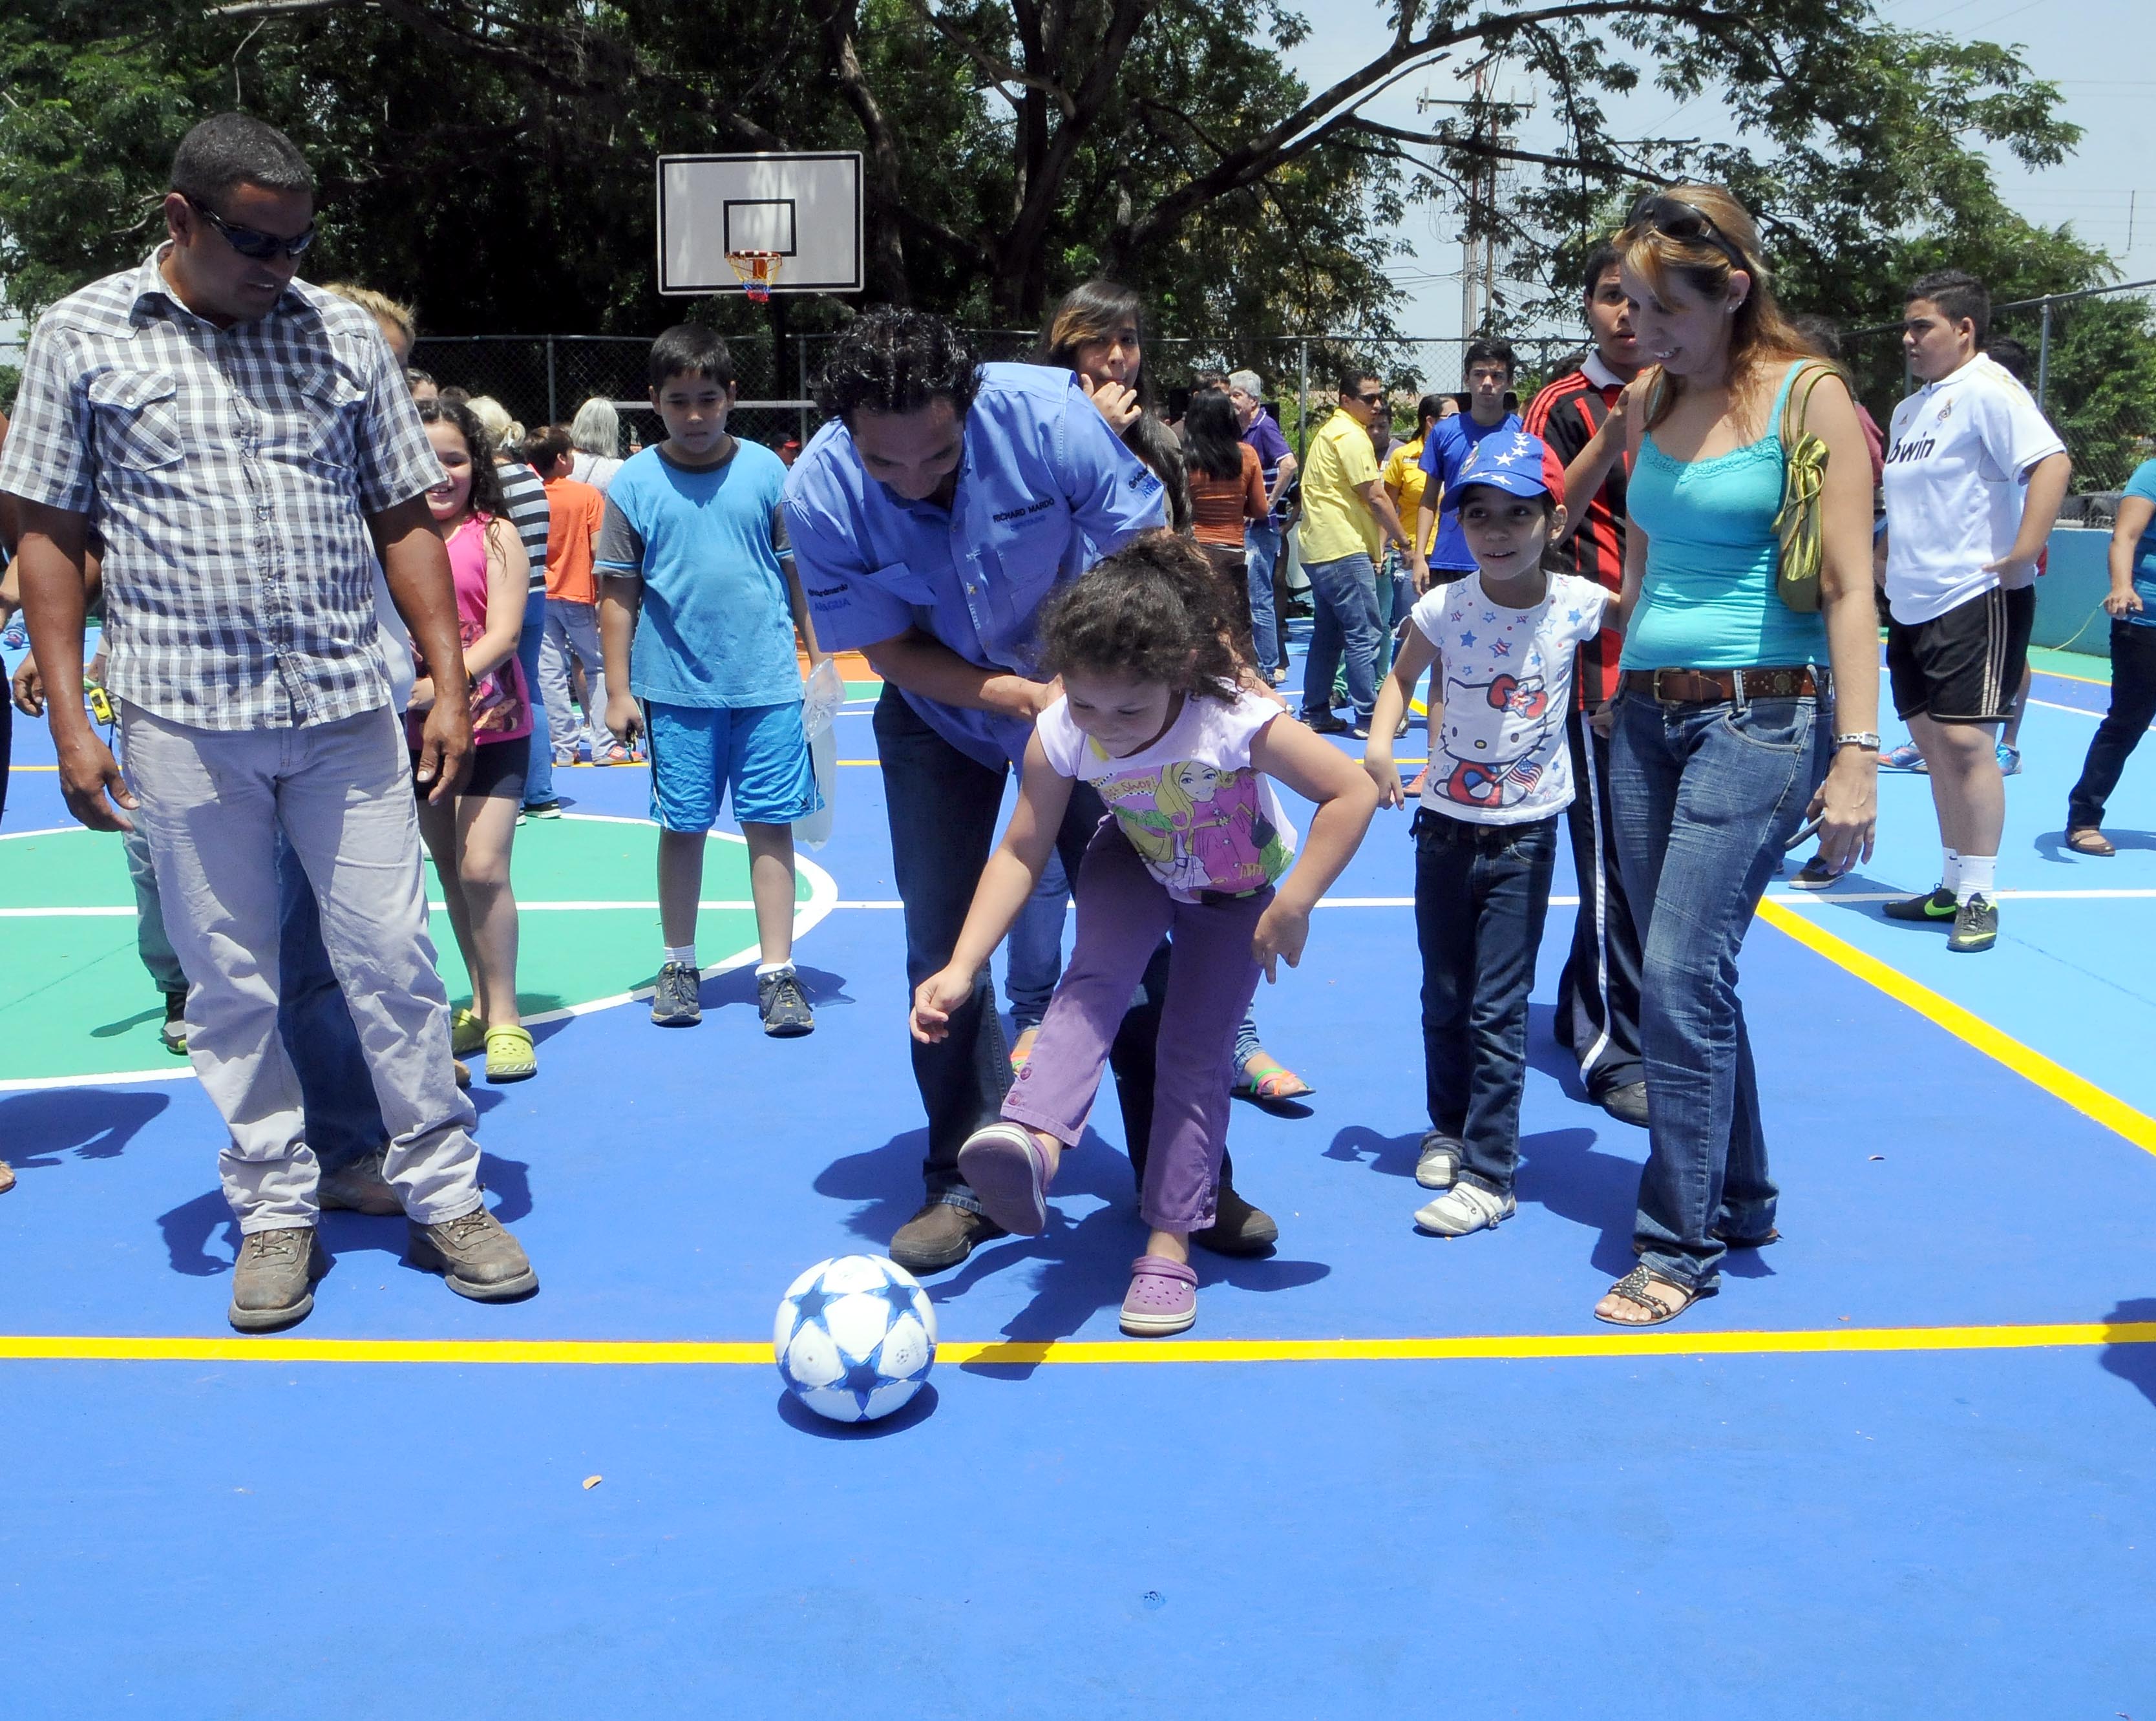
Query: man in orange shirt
x=574, y=512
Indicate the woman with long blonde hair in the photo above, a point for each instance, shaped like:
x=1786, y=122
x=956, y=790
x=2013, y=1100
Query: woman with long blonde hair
x=1739, y=710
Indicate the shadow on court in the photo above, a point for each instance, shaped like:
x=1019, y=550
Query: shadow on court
x=802, y=1420
x=2132, y=1361
x=738, y=986
x=1080, y=1265
x=202, y=1238
x=91, y=1122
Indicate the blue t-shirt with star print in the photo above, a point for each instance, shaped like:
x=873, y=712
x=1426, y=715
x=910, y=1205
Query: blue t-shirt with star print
x=1497, y=754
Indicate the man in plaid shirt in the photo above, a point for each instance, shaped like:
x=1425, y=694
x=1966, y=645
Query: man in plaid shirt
x=246, y=450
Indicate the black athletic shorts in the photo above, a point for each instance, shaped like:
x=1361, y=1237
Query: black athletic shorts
x=1964, y=666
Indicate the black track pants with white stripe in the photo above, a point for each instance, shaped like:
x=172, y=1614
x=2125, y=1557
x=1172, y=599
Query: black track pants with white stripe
x=1597, y=1000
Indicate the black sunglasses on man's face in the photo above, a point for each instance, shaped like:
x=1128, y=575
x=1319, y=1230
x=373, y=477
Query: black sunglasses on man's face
x=248, y=241
x=1371, y=399
x=1675, y=218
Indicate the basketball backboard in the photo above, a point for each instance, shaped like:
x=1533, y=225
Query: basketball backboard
x=805, y=207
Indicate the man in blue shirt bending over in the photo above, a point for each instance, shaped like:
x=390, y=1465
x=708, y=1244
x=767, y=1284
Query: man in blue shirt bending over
x=931, y=517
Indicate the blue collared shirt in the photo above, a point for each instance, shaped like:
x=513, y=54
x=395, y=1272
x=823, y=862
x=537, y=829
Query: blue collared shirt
x=1043, y=488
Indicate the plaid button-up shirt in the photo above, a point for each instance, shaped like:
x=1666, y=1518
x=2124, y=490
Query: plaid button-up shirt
x=231, y=473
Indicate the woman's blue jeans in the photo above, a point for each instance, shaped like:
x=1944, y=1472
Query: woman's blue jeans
x=1706, y=798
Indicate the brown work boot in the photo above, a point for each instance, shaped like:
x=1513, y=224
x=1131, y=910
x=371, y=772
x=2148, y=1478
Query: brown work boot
x=359, y=1187
x=479, y=1258
x=273, y=1282
x=1238, y=1227
x=941, y=1236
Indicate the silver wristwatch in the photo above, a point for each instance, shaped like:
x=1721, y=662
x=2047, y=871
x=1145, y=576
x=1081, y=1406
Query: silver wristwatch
x=1863, y=737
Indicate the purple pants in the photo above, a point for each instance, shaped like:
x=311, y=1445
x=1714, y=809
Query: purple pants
x=1123, y=910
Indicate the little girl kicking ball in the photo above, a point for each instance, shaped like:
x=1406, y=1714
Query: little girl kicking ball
x=1156, y=716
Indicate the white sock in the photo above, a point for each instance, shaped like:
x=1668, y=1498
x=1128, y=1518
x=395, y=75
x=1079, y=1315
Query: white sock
x=1978, y=872
x=764, y=970
x=682, y=953
x=1950, y=870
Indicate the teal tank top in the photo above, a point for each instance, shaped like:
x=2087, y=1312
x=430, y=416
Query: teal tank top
x=1707, y=600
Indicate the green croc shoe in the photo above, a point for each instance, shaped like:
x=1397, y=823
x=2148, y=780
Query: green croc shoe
x=467, y=1033
x=509, y=1055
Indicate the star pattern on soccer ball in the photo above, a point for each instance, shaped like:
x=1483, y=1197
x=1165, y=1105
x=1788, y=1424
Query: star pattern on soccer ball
x=863, y=1377
x=809, y=1306
x=896, y=1298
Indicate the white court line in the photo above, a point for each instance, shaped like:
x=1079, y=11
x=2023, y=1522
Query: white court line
x=822, y=898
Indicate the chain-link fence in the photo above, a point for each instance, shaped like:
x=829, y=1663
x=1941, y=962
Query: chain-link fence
x=2090, y=360
x=542, y=379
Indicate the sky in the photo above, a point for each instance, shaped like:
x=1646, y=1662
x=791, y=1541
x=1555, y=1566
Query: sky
x=2101, y=53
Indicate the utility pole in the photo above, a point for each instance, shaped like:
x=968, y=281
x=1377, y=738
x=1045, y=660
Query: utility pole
x=1478, y=238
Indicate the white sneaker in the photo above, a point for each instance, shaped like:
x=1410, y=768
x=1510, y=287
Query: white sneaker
x=1437, y=1162
x=1463, y=1209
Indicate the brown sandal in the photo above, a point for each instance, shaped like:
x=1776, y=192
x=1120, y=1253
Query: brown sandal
x=6, y=1177
x=1633, y=1288
x=2089, y=840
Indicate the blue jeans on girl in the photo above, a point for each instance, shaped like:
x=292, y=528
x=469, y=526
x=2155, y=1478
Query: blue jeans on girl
x=1481, y=891
x=1706, y=798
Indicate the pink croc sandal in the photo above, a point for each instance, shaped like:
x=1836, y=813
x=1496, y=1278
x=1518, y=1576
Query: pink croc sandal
x=1163, y=1298
x=1007, y=1170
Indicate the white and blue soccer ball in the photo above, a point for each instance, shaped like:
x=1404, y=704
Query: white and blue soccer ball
x=855, y=1338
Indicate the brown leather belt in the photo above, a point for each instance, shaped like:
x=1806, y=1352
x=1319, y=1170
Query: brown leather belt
x=1720, y=686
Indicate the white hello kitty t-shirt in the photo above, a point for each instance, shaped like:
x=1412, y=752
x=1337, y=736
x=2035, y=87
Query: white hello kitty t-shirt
x=1498, y=755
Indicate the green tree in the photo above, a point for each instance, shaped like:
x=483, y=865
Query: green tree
x=493, y=157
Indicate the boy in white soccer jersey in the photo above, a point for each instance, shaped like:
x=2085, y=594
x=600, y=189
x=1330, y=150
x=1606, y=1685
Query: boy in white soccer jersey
x=1974, y=481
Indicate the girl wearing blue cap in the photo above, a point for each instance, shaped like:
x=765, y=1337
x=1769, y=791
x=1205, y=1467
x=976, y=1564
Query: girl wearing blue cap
x=1499, y=781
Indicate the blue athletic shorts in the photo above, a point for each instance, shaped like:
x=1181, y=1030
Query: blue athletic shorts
x=755, y=755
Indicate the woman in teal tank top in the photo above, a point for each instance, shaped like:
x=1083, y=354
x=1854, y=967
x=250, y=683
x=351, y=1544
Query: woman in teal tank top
x=1731, y=707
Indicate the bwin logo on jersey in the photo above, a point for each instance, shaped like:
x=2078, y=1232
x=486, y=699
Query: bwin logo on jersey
x=1905, y=452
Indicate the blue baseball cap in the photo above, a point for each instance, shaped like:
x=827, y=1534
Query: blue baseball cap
x=1517, y=464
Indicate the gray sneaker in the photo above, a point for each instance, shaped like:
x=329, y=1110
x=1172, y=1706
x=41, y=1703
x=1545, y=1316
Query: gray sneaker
x=479, y=1258
x=1465, y=1209
x=1437, y=1167
x=273, y=1282
x=174, y=1033
x=1976, y=924
x=784, y=1005
x=359, y=1187
x=674, y=1001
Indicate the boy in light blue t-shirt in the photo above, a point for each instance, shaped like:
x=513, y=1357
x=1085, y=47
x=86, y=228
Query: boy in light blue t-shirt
x=696, y=573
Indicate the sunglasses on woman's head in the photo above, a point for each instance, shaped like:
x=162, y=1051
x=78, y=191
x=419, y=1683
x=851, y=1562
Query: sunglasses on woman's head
x=1675, y=218
x=249, y=242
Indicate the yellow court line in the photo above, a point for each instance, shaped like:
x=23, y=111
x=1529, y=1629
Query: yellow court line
x=2078, y=1092
x=1517, y=1348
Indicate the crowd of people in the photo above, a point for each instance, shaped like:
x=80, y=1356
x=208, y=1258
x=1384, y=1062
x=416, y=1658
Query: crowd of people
x=349, y=612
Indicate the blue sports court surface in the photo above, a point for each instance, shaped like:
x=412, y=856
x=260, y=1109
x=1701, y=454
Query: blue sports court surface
x=1902, y=1467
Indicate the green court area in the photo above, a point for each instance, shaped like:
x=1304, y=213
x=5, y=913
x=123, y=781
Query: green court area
x=75, y=1001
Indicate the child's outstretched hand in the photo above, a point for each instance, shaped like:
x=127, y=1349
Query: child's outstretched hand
x=933, y=1001
x=625, y=716
x=1282, y=931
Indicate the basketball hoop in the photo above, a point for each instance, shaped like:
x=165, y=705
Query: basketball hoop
x=758, y=271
